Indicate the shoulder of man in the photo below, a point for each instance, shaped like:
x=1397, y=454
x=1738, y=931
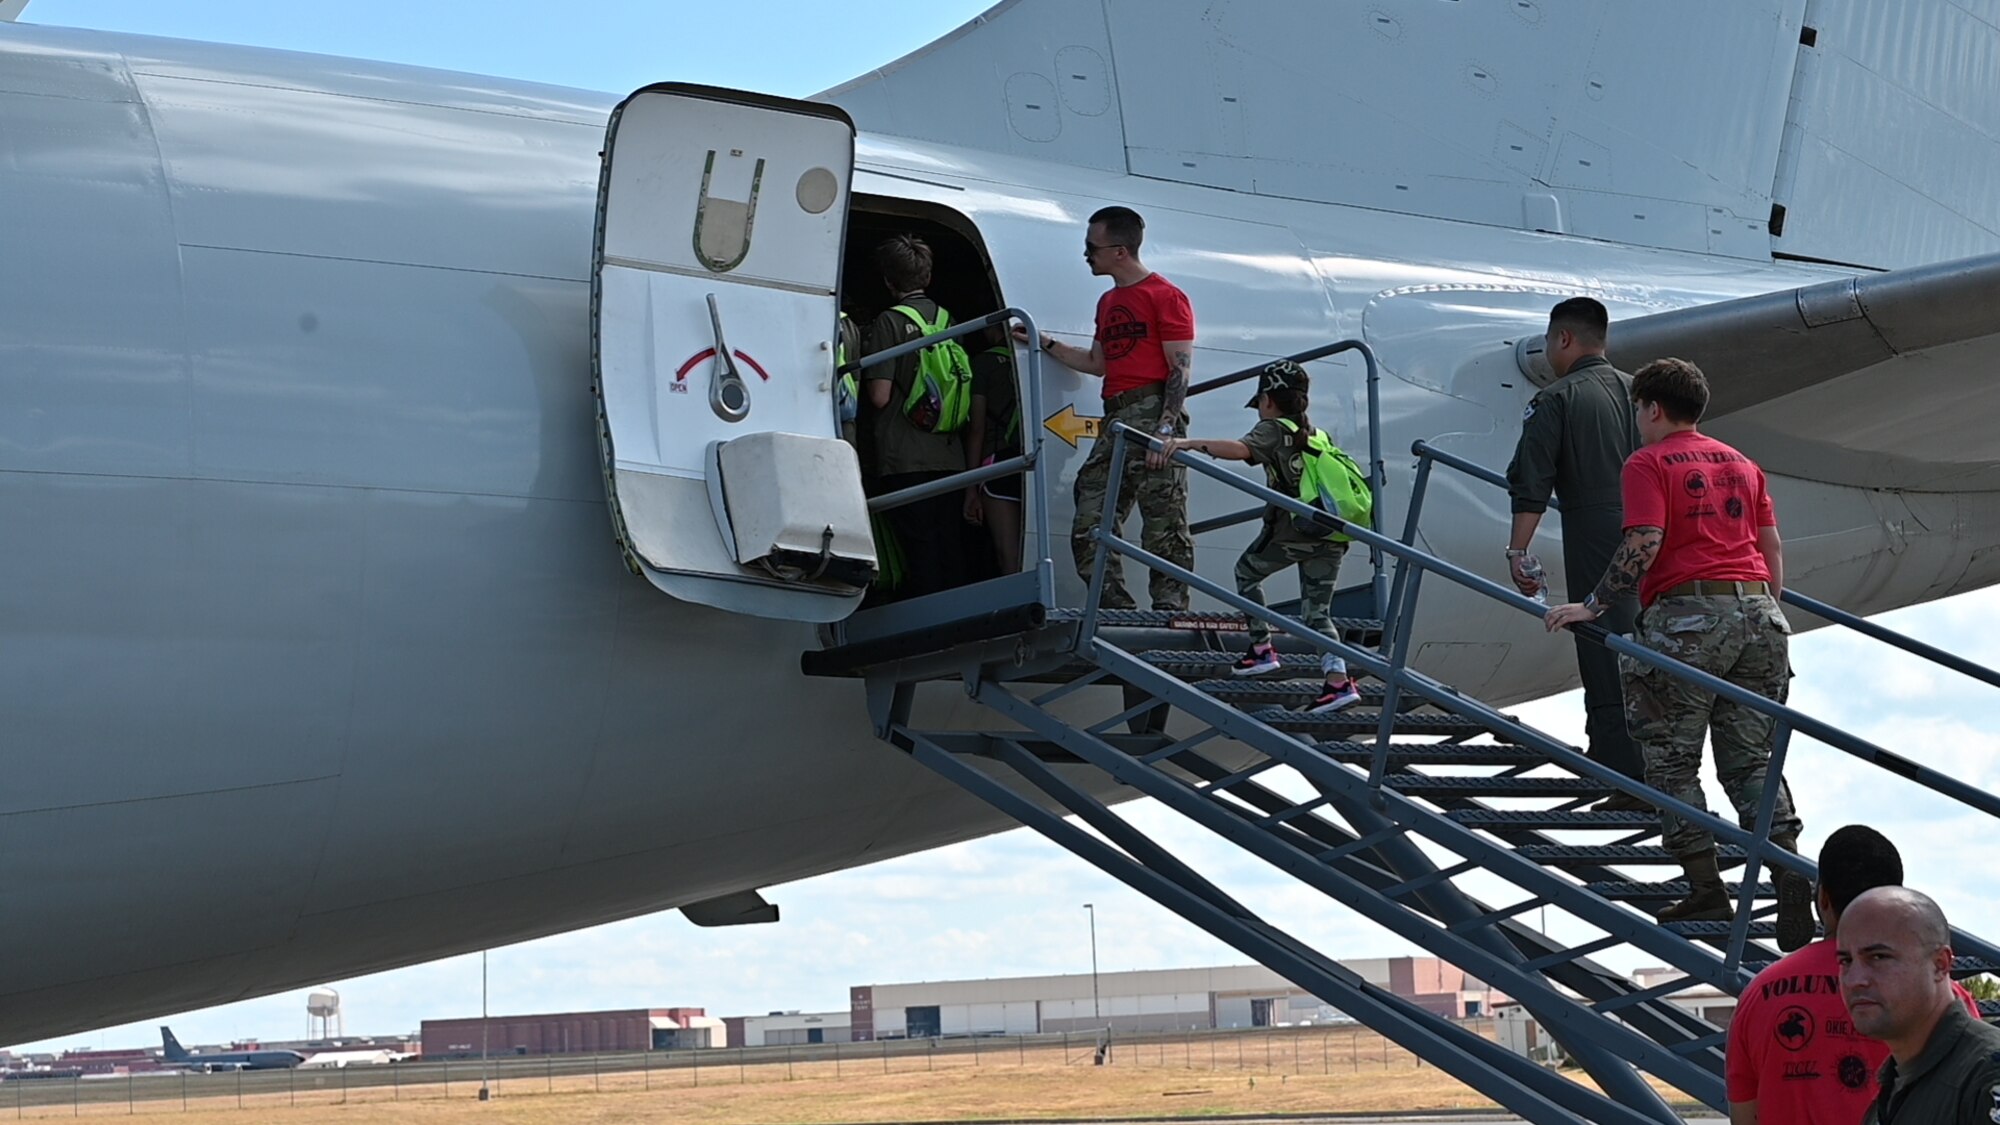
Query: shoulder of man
x=1980, y=1080
x=1548, y=402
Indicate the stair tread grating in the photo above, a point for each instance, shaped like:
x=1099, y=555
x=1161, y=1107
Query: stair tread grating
x=1610, y=853
x=1365, y=722
x=1434, y=754
x=1177, y=659
x=1494, y=786
x=1190, y=620
x=1758, y=929
x=1664, y=889
x=1551, y=818
x=1265, y=690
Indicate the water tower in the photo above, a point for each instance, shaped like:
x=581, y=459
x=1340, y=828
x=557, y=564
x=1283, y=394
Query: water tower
x=323, y=1014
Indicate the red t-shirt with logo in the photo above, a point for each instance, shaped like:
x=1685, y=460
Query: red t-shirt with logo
x=1794, y=1051
x=1132, y=322
x=1709, y=499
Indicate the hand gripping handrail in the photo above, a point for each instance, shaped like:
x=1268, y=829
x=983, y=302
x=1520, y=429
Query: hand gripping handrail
x=1378, y=477
x=1395, y=672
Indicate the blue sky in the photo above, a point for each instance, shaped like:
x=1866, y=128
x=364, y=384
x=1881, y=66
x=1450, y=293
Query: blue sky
x=778, y=46
x=1010, y=904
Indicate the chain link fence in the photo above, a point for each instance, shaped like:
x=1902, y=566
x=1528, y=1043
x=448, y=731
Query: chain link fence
x=1331, y=1050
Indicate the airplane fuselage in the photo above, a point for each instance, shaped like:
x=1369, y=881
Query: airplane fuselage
x=309, y=571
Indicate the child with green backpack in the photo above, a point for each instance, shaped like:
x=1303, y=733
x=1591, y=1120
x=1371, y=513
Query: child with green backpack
x=1299, y=461
x=913, y=413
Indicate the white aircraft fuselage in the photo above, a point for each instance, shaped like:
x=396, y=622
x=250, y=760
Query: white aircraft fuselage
x=308, y=568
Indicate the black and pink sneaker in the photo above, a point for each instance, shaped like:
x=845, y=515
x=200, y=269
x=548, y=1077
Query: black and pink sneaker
x=1335, y=697
x=1259, y=660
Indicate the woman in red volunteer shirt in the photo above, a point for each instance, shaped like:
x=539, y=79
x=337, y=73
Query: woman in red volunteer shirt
x=1702, y=550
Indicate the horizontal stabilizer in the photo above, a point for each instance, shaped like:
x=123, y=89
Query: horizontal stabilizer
x=11, y=9
x=1883, y=381
x=1761, y=348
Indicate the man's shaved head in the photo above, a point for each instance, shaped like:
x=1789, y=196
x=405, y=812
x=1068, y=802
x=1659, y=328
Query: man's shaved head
x=1918, y=911
x=1895, y=965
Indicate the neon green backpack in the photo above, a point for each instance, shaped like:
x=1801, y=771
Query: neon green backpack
x=1331, y=482
x=940, y=400
x=846, y=392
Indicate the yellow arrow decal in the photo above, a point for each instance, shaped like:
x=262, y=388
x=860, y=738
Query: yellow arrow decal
x=1068, y=425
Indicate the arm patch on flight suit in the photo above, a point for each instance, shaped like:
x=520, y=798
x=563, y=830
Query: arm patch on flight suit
x=1529, y=412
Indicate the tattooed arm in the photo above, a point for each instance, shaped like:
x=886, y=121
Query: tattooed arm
x=1635, y=555
x=1629, y=565
x=1173, y=394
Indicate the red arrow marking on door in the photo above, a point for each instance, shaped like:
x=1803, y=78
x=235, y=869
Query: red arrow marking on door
x=708, y=354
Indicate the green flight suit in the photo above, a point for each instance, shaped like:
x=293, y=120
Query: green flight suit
x=1575, y=438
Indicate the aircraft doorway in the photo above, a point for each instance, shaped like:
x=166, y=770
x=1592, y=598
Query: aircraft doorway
x=964, y=284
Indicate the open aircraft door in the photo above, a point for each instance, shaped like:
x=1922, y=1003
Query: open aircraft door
x=720, y=222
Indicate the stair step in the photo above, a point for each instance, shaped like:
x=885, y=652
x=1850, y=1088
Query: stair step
x=1667, y=890
x=1415, y=784
x=1250, y=690
x=1433, y=754
x=1191, y=620
x=1543, y=819
x=1759, y=929
x=1564, y=855
x=1193, y=662
x=1356, y=721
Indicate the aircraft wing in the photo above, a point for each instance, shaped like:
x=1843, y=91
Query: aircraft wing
x=1884, y=381
x=11, y=9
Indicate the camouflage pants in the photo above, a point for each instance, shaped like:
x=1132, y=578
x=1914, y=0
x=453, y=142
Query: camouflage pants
x=1739, y=639
x=1162, y=500
x=1319, y=568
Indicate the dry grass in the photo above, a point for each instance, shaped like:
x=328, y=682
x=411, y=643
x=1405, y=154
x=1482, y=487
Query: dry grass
x=1283, y=1072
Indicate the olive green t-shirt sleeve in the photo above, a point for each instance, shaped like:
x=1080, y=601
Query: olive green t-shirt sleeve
x=1266, y=442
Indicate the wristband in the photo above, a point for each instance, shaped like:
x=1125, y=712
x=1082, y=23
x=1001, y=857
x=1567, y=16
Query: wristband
x=1049, y=344
x=1517, y=552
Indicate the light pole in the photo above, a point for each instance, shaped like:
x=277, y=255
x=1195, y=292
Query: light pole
x=485, y=1093
x=1095, y=1012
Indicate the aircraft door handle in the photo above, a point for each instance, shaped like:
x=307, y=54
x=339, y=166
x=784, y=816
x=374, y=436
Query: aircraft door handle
x=728, y=394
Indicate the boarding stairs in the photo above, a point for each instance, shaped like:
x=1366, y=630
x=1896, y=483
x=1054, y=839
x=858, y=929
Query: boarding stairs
x=1434, y=815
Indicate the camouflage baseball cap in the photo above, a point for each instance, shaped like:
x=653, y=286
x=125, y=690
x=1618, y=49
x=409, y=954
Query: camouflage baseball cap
x=1283, y=375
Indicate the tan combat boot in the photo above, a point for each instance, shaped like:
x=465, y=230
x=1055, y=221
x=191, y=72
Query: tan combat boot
x=1795, y=901
x=1708, y=899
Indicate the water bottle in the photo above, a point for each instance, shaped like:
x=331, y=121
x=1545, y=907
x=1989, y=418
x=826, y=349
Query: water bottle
x=1532, y=567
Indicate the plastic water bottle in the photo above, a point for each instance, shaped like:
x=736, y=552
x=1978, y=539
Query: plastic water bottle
x=1532, y=567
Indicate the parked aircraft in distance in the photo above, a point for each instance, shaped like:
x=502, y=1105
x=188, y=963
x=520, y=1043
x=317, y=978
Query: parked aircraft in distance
x=176, y=1055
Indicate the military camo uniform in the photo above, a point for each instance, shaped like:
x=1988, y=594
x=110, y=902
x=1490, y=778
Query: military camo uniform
x=1161, y=496
x=1282, y=545
x=1743, y=640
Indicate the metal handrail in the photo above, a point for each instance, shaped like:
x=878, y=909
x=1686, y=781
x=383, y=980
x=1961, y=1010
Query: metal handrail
x=1027, y=462
x=1399, y=675
x=1896, y=764
x=1378, y=475
x=1814, y=606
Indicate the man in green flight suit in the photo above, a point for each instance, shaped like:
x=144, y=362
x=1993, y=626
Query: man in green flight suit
x=1575, y=438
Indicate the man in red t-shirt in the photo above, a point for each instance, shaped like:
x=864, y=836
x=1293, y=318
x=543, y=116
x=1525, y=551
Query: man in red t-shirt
x=1795, y=1057
x=1144, y=349
x=1702, y=548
